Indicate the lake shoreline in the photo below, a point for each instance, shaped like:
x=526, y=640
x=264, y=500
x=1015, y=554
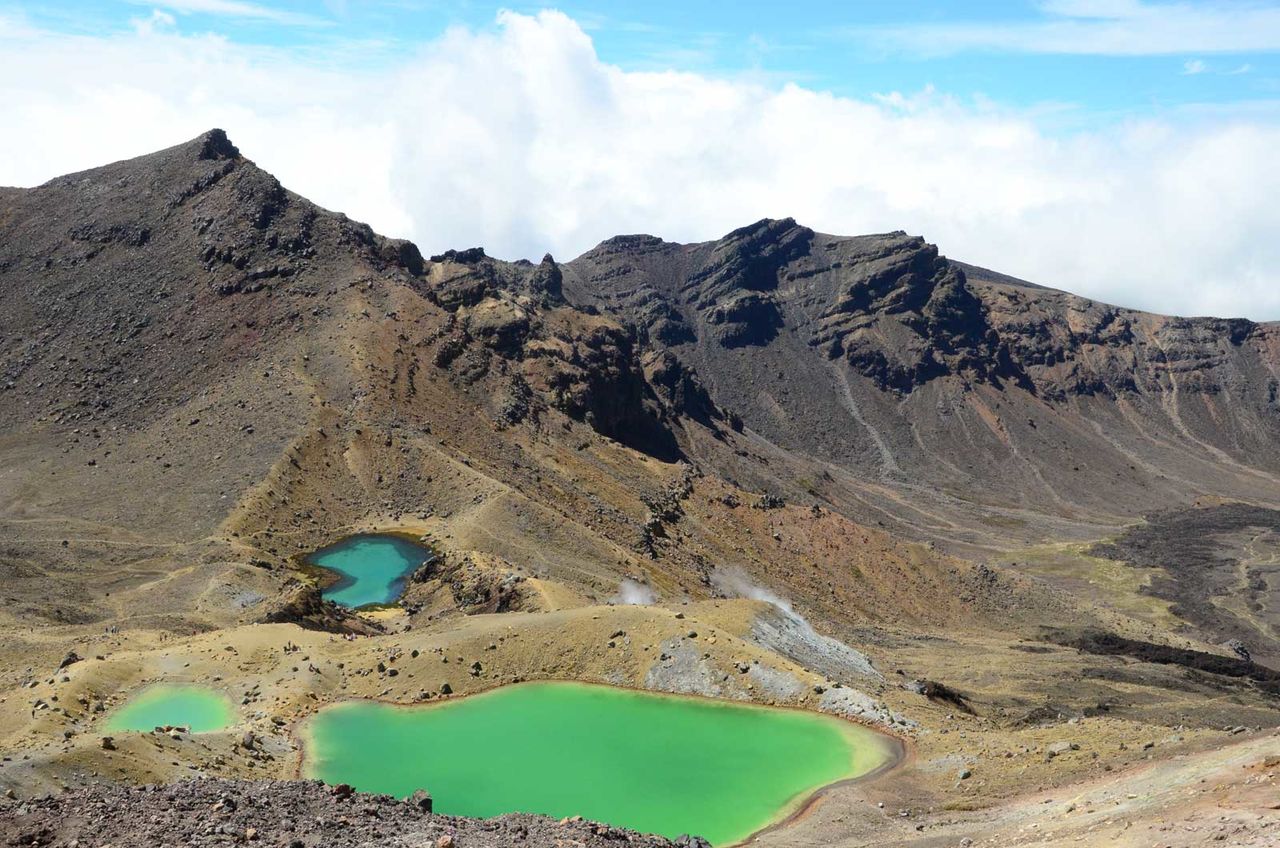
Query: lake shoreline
x=214, y=709
x=334, y=579
x=886, y=748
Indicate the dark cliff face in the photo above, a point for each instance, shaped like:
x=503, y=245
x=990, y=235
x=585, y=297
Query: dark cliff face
x=889, y=306
x=511, y=317
x=901, y=315
x=1073, y=346
x=733, y=289
x=898, y=313
x=883, y=357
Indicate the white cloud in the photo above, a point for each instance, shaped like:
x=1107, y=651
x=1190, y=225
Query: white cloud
x=1100, y=9
x=1191, y=67
x=232, y=9
x=155, y=22
x=522, y=140
x=14, y=27
x=1096, y=27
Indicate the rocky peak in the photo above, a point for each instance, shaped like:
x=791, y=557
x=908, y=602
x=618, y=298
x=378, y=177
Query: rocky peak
x=732, y=287
x=749, y=259
x=636, y=243
x=889, y=305
x=546, y=279
x=470, y=256
x=467, y=277
x=902, y=315
x=215, y=145
x=139, y=267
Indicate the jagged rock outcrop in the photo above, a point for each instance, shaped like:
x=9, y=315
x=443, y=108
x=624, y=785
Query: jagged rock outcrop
x=473, y=584
x=302, y=604
x=588, y=366
x=679, y=388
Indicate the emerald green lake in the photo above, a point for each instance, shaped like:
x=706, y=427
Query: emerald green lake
x=196, y=708
x=658, y=764
x=371, y=568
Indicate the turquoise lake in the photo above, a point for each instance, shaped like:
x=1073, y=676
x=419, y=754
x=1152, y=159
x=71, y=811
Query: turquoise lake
x=197, y=708
x=656, y=763
x=371, y=568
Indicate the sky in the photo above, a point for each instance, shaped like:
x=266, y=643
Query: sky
x=1126, y=150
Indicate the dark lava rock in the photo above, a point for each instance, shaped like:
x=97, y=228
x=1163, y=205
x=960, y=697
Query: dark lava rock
x=470, y=256
x=1198, y=554
x=421, y=799
x=1111, y=644
x=935, y=691
x=302, y=604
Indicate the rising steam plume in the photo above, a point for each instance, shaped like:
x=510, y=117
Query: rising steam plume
x=634, y=593
x=733, y=582
x=789, y=633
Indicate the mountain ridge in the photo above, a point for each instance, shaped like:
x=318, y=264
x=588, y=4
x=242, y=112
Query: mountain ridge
x=793, y=448
x=846, y=349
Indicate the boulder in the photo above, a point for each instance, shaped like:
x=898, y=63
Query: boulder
x=421, y=799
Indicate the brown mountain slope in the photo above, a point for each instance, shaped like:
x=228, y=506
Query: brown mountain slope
x=878, y=355
x=205, y=375
x=201, y=367
x=204, y=371
x=957, y=405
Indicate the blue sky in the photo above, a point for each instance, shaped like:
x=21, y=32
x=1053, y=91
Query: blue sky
x=1082, y=59
x=1121, y=149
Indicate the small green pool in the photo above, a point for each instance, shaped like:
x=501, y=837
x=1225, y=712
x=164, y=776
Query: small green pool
x=197, y=708
x=658, y=764
x=370, y=568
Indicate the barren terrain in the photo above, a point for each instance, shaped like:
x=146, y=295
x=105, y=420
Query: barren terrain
x=1031, y=536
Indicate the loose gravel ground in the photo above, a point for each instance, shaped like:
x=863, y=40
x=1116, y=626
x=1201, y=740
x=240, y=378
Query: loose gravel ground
x=287, y=814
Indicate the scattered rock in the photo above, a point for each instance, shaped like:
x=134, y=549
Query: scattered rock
x=71, y=658
x=421, y=799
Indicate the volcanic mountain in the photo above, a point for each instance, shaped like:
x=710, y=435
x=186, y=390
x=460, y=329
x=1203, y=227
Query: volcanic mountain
x=849, y=473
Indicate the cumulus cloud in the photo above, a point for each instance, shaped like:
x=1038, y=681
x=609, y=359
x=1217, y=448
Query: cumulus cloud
x=521, y=139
